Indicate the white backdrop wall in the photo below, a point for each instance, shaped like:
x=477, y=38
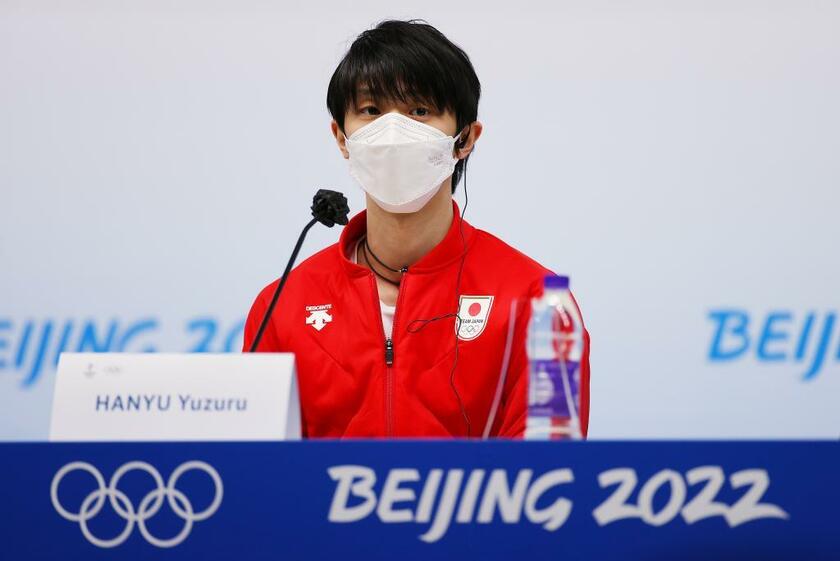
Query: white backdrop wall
x=678, y=160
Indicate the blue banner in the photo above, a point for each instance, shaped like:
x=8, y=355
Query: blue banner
x=422, y=500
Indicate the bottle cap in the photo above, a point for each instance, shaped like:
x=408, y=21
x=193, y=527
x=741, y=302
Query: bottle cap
x=556, y=282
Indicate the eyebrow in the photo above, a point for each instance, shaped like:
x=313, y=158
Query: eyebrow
x=364, y=92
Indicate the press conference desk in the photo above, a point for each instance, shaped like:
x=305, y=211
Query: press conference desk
x=421, y=500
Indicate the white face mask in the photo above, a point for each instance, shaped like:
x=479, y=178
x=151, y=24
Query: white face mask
x=400, y=162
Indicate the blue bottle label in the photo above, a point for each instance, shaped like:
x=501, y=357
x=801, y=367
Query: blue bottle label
x=548, y=392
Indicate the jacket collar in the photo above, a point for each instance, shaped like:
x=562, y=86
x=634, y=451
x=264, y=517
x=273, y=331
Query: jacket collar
x=448, y=251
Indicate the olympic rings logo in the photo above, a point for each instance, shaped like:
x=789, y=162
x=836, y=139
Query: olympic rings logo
x=148, y=507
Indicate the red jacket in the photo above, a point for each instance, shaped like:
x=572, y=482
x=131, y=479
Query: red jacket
x=329, y=316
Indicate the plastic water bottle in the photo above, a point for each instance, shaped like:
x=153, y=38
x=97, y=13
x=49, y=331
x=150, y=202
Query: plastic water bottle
x=555, y=347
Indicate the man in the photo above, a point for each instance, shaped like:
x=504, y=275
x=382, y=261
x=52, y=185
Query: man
x=414, y=323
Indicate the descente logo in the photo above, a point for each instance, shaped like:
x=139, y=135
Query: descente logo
x=399, y=503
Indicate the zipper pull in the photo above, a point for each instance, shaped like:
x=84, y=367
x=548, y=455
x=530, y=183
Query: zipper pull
x=389, y=352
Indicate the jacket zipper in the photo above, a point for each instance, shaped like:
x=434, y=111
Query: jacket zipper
x=389, y=387
x=389, y=354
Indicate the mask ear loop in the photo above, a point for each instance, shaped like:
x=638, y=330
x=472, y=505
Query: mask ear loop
x=424, y=322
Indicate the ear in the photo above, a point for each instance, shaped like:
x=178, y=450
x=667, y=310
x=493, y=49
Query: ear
x=469, y=136
x=340, y=139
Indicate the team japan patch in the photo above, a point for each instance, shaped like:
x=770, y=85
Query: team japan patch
x=319, y=316
x=474, y=312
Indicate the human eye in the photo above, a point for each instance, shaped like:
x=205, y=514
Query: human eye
x=369, y=110
x=420, y=112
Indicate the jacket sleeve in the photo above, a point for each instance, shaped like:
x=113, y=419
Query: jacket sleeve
x=584, y=376
x=513, y=408
x=270, y=342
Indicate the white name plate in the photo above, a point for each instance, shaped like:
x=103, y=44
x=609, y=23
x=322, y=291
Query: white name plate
x=149, y=396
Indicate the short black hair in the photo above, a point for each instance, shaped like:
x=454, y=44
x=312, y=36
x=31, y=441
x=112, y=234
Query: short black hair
x=406, y=60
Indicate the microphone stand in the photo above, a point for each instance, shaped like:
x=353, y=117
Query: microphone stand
x=329, y=208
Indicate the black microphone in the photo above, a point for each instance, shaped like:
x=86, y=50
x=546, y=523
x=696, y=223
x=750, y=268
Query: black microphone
x=329, y=208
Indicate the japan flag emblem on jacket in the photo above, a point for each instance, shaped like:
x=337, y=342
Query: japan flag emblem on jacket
x=474, y=312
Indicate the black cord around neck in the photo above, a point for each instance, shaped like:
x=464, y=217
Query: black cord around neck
x=378, y=260
x=365, y=249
